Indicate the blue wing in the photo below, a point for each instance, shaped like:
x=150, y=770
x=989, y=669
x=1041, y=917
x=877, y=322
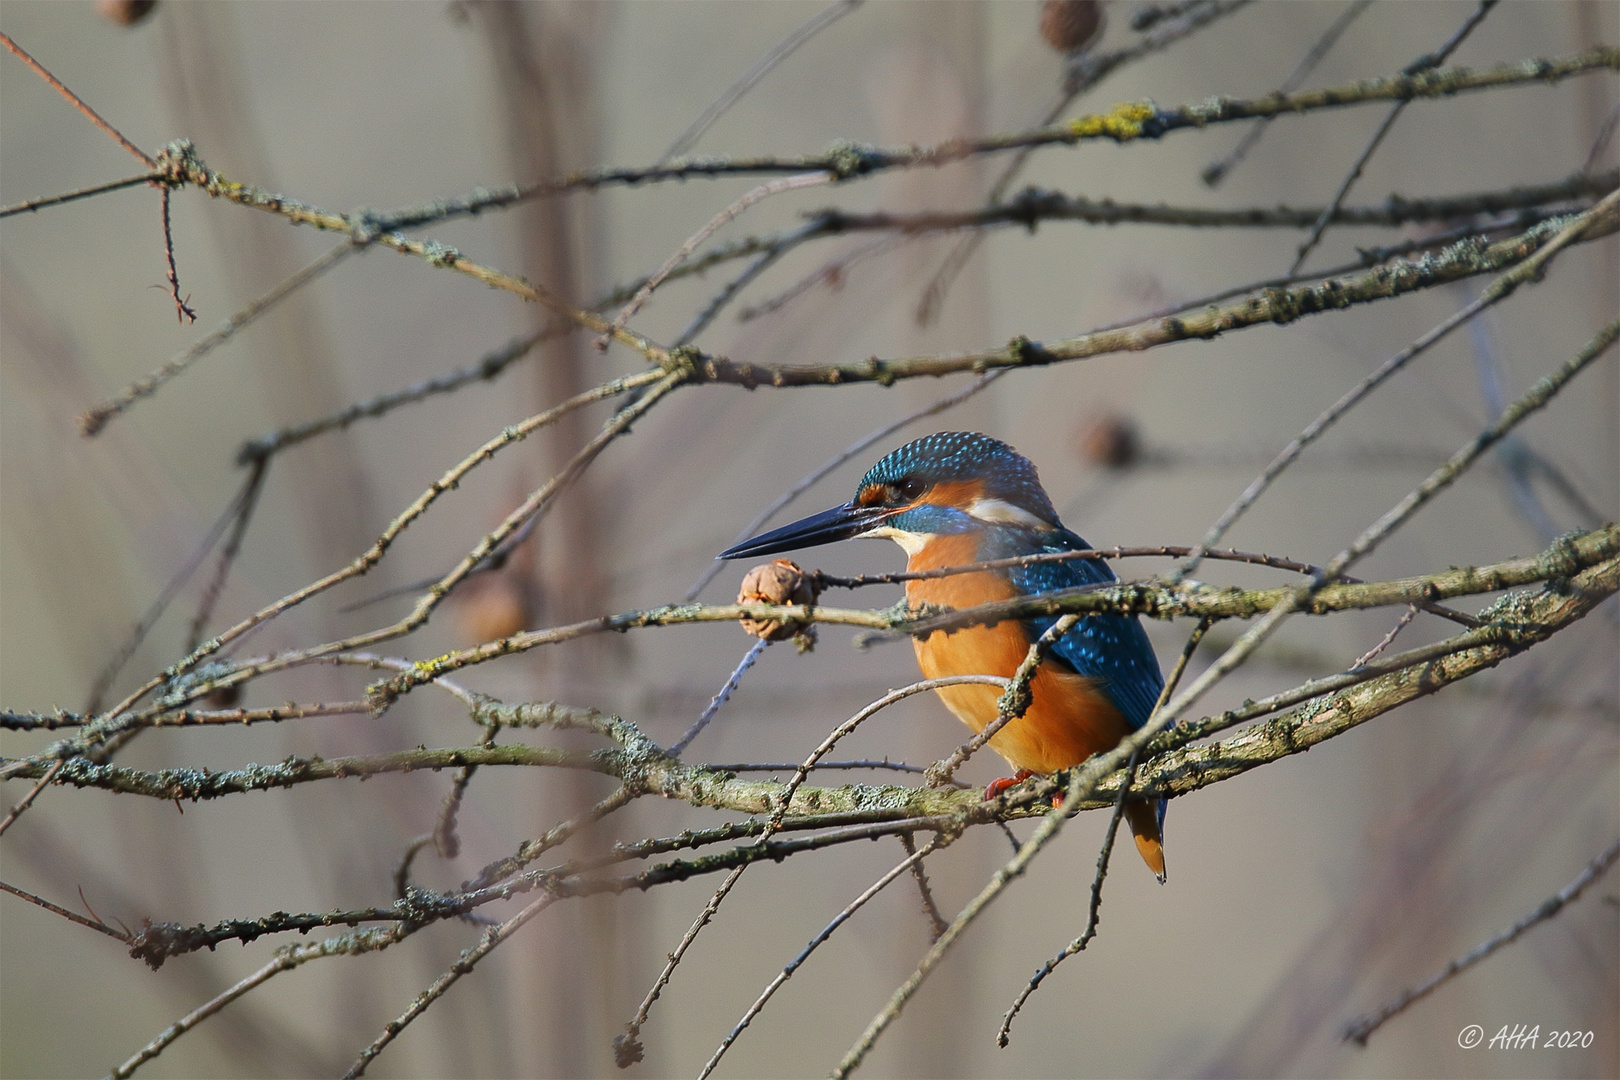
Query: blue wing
x=1113, y=649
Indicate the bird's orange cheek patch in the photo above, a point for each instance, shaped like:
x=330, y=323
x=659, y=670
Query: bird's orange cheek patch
x=957, y=493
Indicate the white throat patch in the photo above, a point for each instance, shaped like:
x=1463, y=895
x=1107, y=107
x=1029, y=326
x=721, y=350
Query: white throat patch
x=910, y=542
x=1001, y=512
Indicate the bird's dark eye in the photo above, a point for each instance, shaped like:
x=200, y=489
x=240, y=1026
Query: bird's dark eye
x=910, y=488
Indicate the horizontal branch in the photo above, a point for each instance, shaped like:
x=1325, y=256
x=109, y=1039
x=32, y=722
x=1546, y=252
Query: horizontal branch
x=1123, y=123
x=1466, y=258
x=1034, y=205
x=1565, y=557
x=182, y=166
x=1562, y=559
x=198, y=784
x=1513, y=624
x=1520, y=621
x=855, y=812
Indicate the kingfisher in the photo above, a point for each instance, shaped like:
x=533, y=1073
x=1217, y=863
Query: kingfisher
x=958, y=497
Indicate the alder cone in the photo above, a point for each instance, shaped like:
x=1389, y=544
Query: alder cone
x=1070, y=25
x=125, y=12
x=1110, y=441
x=778, y=582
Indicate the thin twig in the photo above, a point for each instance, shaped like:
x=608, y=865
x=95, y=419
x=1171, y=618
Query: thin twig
x=285, y=960
x=831, y=273
x=1159, y=551
x=720, y=698
x=925, y=892
x=1360, y=1029
x=81, y=193
x=1530, y=269
x=701, y=321
x=758, y=194
x=627, y=1048
x=827, y=467
x=1400, y=624
x=1600, y=145
x=1032, y=206
x=757, y=71
x=33, y=793
x=1094, y=913
x=1216, y=171
x=96, y=418
x=71, y=916
x=912, y=861
x=247, y=502
x=182, y=309
x=820, y=766
x=1014, y=702
x=488, y=367
x=76, y=101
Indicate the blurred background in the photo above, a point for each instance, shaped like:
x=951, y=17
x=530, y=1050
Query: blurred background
x=1299, y=895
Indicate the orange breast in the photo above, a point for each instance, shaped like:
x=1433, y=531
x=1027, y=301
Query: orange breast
x=1069, y=718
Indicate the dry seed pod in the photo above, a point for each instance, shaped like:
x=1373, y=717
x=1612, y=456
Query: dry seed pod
x=780, y=581
x=1071, y=25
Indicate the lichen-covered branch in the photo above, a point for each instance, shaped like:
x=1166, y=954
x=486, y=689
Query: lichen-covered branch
x=1282, y=305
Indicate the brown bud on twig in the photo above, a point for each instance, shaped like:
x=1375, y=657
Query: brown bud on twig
x=778, y=582
x=1109, y=440
x=125, y=12
x=1071, y=25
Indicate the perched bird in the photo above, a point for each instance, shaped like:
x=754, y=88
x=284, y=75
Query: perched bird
x=959, y=497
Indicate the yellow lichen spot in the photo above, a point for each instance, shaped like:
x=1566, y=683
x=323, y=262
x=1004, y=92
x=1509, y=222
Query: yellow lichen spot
x=431, y=667
x=1124, y=121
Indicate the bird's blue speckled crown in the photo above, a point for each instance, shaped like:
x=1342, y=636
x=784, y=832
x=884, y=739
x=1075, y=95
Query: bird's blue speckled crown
x=966, y=455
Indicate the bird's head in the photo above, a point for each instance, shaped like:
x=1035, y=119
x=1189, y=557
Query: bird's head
x=949, y=482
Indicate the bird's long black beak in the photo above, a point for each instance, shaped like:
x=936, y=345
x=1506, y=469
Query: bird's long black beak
x=829, y=526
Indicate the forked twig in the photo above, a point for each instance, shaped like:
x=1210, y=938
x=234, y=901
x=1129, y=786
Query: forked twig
x=684, y=252
x=96, y=418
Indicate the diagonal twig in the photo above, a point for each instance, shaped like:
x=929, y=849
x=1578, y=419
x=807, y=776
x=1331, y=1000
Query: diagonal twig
x=75, y=100
x=1361, y=1028
x=1421, y=64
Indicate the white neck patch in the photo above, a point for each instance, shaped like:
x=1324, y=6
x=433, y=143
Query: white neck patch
x=1001, y=512
x=910, y=542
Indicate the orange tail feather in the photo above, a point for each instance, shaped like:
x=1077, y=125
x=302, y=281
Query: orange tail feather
x=1143, y=818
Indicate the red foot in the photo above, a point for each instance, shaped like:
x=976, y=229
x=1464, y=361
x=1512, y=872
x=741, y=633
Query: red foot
x=996, y=787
